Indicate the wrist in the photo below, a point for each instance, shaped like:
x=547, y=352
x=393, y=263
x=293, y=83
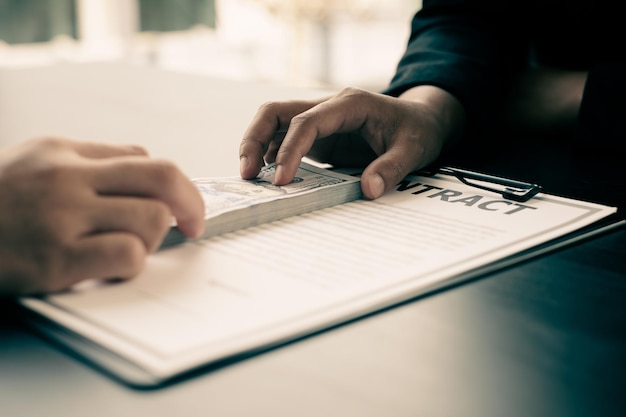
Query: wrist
x=445, y=108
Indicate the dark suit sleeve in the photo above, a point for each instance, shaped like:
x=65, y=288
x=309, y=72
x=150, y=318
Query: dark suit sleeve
x=601, y=128
x=469, y=48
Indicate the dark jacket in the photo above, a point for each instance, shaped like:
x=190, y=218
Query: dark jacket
x=473, y=49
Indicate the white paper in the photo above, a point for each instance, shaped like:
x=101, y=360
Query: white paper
x=206, y=300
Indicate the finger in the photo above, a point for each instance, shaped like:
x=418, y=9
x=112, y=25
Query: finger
x=269, y=119
x=102, y=256
x=345, y=112
x=156, y=179
x=387, y=170
x=148, y=219
x=274, y=146
x=106, y=255
x=106, y=150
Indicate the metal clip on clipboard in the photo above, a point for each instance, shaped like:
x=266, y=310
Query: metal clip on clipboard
x=509, y=189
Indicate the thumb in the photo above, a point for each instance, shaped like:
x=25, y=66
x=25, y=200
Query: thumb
x=385, y=172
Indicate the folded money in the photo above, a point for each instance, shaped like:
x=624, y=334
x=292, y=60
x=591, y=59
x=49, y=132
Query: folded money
x=232, y=203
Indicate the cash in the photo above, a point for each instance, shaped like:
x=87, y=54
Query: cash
x=232, y=203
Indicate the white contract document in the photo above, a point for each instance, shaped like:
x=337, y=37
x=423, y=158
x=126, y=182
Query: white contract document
x=242, y=292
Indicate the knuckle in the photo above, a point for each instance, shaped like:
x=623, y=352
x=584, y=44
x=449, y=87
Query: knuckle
x=250, y=145
x=353, y=93
x=161, y=221
x=138, y=149
x=399, y=169
x=269, y=108
x=161, y=216
x=166, y=173
x=302, y=120
x=157, y=221
x=49, y=141
x=58, y=173
x=131, y=256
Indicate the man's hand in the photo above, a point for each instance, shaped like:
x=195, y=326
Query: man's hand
x=391, y=136
x=71, y=210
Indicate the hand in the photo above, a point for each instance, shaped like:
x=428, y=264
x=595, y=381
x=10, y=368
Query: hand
x=392, y=136
x=71, y=210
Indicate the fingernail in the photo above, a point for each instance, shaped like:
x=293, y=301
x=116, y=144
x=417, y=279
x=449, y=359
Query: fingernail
x=377, y=185
x=278, y=176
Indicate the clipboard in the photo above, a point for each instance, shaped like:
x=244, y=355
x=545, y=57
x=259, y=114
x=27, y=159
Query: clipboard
x=338, y=312
x=510, y=189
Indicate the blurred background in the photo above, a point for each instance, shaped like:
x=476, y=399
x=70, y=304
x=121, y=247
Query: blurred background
x=326, y=43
